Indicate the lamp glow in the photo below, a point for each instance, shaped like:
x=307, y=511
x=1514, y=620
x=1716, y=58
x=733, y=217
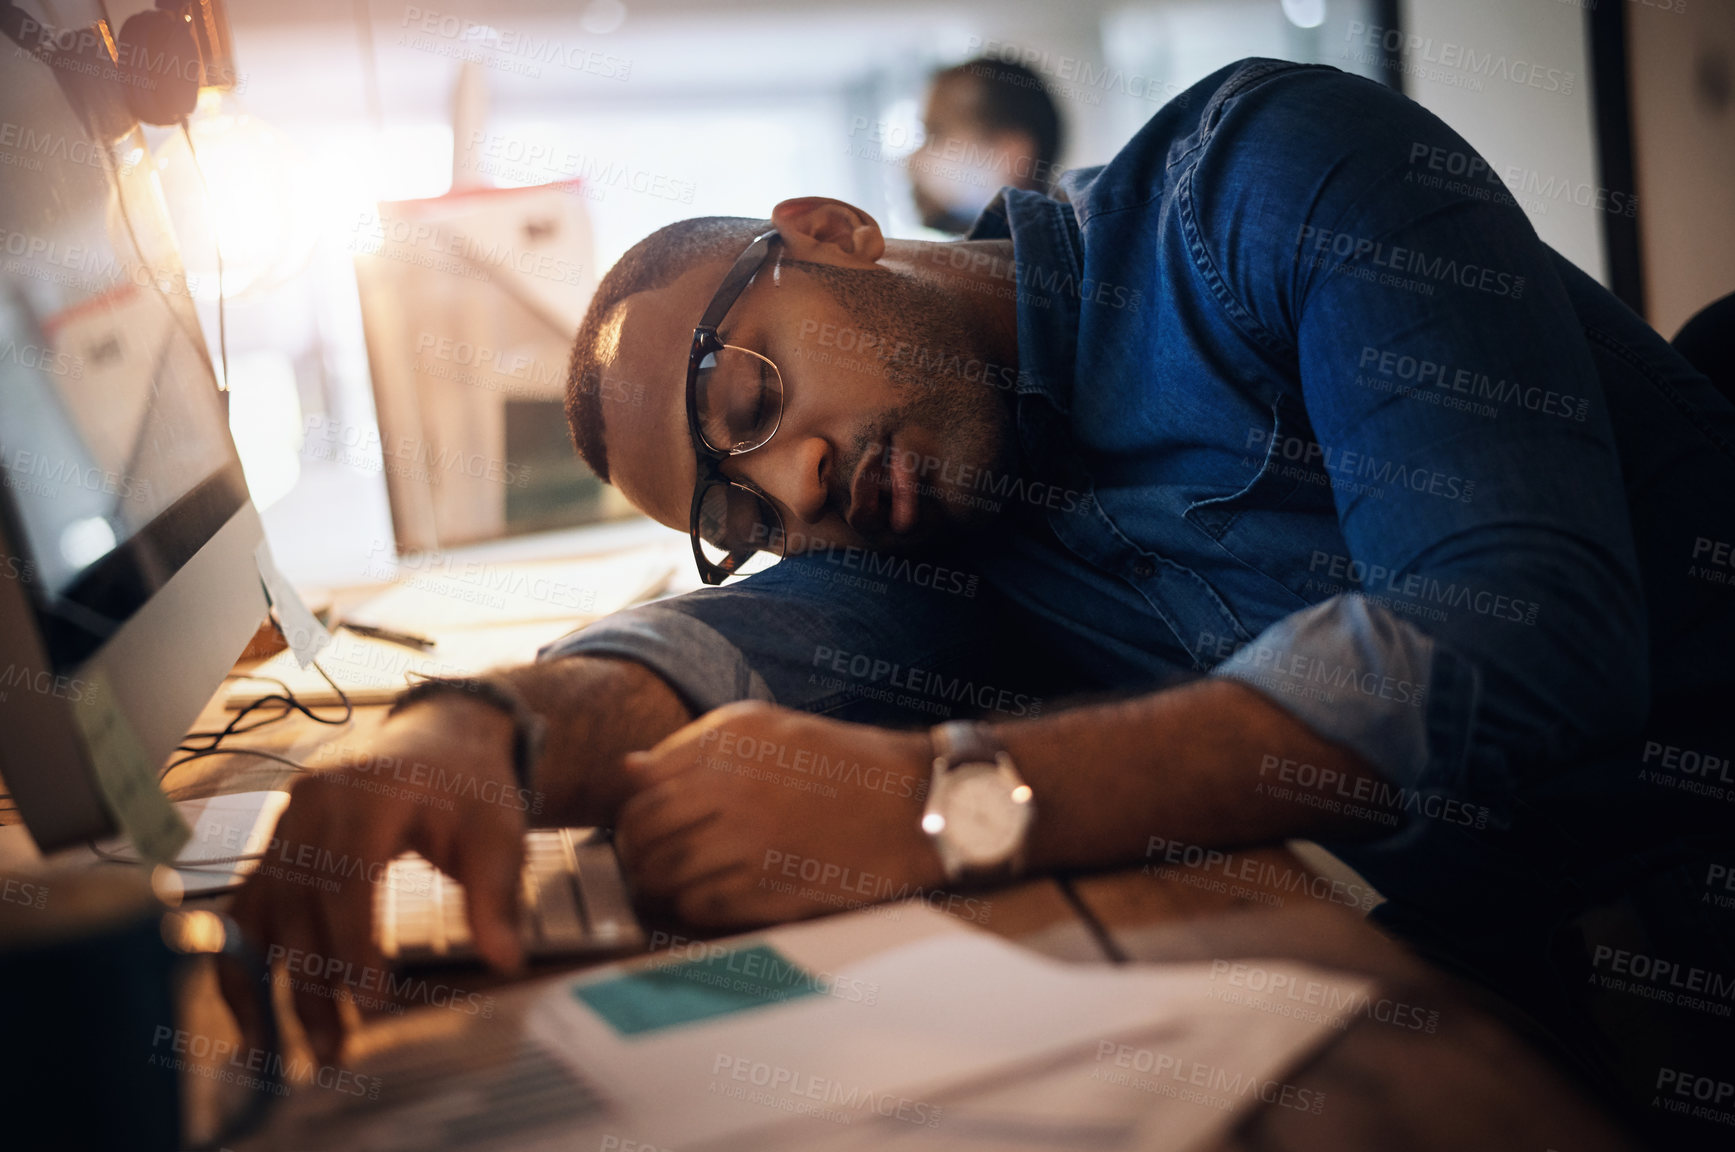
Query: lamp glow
x=243, y=175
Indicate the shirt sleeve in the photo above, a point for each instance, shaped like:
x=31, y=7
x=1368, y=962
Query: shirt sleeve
x=1341, y=246
x=896, y=641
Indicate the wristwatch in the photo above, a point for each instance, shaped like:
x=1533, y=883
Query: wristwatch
x=979, y=808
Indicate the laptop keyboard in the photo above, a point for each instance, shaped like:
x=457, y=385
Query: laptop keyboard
x=573, y=901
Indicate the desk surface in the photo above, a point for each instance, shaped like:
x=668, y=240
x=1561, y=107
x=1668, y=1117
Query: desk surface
x=1428, y=1067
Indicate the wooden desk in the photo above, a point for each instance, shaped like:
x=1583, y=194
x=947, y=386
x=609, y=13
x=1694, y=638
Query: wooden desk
x=1469, y=1083
x=1466, y=1082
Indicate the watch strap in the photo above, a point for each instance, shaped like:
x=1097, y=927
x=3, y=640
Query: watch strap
x=965, y=742
x=529, y=730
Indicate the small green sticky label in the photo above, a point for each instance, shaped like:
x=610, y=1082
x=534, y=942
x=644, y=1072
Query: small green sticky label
x=126, y=776
x=723, y=983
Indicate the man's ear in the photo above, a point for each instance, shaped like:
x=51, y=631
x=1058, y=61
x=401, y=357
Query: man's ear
x=826, y=231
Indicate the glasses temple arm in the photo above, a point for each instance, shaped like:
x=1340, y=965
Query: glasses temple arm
x=746, y=267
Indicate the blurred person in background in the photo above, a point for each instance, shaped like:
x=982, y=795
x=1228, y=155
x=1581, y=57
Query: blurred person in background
x=987, y=124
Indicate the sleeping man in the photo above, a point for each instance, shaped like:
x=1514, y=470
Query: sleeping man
x=1375, y=522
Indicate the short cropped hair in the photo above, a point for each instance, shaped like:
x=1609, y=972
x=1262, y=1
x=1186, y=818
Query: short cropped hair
x=654, y=262
x=1012, y=98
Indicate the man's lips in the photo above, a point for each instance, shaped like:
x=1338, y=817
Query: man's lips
x=883, y=467
x=904, y=496
x=865, y=514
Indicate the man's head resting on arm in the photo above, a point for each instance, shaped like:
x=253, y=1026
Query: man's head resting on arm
x=895, y=366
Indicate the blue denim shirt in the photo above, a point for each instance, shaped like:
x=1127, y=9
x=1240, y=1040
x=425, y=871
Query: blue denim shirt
x=1304, y=402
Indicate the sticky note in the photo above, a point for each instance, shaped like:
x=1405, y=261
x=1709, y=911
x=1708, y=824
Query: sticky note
x=306, y=635
x=724, y=982
x=126, y=776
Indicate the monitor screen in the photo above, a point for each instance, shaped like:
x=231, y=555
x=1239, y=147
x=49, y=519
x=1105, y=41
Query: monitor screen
x=114, y=450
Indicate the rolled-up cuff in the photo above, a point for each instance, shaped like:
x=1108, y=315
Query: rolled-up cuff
x=705, y=669
x=1358, y=676
x=1353, y=673
x=1447, y=785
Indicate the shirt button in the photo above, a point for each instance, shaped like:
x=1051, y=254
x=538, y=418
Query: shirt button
x=1142, y=567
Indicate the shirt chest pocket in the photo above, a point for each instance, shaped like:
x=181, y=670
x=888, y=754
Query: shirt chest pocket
x=1272, y=532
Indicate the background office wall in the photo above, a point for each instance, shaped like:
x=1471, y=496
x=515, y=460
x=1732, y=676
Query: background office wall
x=1683, y=118
x=682, y=107
x=1512, y=77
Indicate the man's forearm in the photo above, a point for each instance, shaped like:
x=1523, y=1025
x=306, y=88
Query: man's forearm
x=598, y=709
x=1186, y=764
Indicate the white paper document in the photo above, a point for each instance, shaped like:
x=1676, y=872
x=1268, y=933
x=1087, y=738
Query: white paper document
x=442, y=592
x=374, y=671
x=895, y=1026
x=480, y=616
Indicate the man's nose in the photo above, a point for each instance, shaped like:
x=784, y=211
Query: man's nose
x=794, y=471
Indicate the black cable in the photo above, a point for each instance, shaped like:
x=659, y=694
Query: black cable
x=260, y=752
x=193, y=335
x=1097, y=929
x=232, y=729
x=214, y=749
x=285, y=698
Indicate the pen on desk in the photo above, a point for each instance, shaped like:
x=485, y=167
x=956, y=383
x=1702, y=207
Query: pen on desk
x=374, y=632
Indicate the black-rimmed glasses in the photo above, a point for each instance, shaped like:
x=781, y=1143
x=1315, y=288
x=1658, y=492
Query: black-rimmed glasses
x=734, y=405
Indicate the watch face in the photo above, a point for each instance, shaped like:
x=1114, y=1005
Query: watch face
x=983, y=821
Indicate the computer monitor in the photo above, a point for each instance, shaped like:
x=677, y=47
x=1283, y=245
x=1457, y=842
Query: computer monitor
x=127, y=536
x=470, y=302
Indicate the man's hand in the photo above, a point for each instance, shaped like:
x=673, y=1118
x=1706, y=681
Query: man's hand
x=753, y=814
x=437, y=778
